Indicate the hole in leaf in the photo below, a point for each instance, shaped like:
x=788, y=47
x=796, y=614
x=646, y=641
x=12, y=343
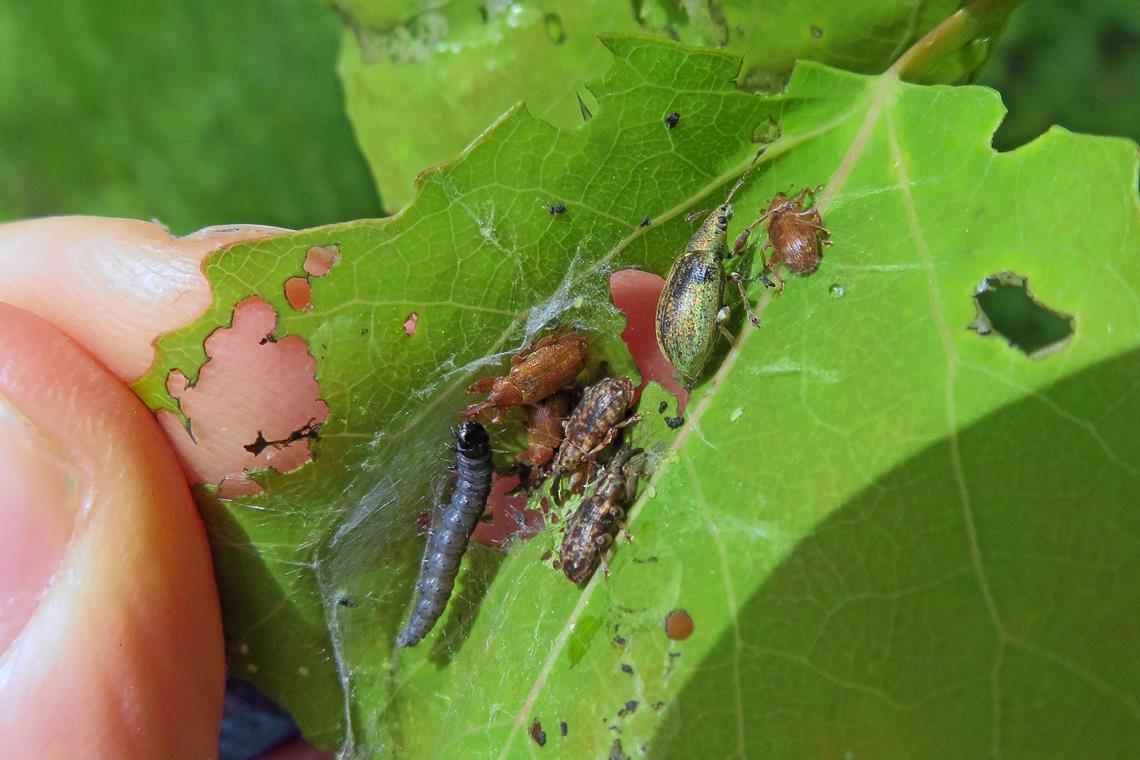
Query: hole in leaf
x=583, y=108
x=767, y=131
x=1006, y=307
x=234, y=487
x=255, y=404
x=298, y=293
x=410, y=323
x=320, y=260
x=635, y=295
x=510, y=519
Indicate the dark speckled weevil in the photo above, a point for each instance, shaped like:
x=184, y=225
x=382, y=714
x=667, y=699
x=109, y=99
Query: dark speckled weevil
x=691, y=308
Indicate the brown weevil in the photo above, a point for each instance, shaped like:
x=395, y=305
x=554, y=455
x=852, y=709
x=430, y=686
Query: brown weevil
x=794, y=234
x=691, y=310
x=594, y=423
x=551, y=365
x=545, y=428
x=591, y=528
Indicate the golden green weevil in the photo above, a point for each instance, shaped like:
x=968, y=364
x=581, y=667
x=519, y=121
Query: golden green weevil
x=691, y=310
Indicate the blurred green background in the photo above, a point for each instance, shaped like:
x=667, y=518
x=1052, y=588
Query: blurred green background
x=200, y=112
x=194, y=112
x=1070, y=62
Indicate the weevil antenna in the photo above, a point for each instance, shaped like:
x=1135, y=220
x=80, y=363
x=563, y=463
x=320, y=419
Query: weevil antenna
x=747, y=173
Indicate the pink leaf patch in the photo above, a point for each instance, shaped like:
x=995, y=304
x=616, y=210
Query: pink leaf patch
x=635, y=294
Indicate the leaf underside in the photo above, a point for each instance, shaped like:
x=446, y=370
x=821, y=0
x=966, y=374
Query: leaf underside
x=895, y=537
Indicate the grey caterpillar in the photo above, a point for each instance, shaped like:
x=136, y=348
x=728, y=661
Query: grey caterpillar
x=448, y=538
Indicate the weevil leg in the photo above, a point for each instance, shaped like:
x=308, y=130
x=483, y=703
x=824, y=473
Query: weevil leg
x=603, y=542
x=764, y=265
x=742, y=239
x=779, y=281
x=768, y=268
x=606, y=441
x=475, y=409
x=811, y=219
x=628, y=421
x=612, y=433
x=735, y=277
x=807, y=191
x=625, y=534
x=482, y=386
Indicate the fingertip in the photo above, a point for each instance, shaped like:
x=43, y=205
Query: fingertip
x=71, y=269
x=117, y=650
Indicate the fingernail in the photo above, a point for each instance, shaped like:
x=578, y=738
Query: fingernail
x=230, y=232
x=40, y=496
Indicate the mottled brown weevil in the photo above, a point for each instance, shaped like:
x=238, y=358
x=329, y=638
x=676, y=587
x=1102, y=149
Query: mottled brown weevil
x=691, y=310
x=590, y=530
x=592, y=426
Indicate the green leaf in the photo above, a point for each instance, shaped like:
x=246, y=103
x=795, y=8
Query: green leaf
x=423, y=81
x=193, y=113
x=896, y=537
x=419, y=90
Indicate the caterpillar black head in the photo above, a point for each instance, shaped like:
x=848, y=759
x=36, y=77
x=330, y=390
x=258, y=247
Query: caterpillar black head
x=470, y=436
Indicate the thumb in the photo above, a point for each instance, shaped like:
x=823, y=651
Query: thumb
x=110, y=634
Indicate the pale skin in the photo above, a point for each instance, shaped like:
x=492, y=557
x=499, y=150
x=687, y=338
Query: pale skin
x=108, y=591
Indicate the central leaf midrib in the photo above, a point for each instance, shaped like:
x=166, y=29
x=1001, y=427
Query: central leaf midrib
x=877, y=99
